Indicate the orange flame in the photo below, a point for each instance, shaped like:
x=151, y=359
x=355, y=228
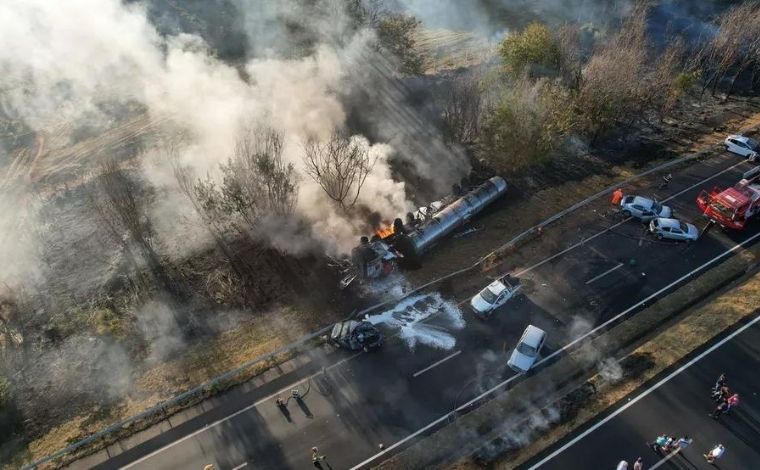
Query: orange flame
x=384, y=232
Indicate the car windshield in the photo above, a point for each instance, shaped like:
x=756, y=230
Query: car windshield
x=526, y=349
x=657, y=207
x=488, y=296
x=684, y=227
x=722, y=210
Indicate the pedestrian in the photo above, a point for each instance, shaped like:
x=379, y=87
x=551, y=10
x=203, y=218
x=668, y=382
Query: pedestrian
x=209, y=467
x=623, y=465
x=721, y=394
x=662, y=443
x=617, y=196
x=719, y=410
x=732, y=402
x=638, y=465
x=714, y=454
x=720, y=383
x=683, y=442
x=317, y=458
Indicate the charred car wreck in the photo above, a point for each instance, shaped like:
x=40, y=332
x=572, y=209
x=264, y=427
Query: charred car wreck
x=403, y=243
x=355, y=335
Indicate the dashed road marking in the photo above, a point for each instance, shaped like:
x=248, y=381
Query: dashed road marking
x=450, y=356
x=596, y=278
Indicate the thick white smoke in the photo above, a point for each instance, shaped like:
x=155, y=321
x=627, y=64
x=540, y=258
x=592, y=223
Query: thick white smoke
x=68, y=64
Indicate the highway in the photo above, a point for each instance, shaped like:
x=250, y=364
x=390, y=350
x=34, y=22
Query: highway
x=604, y=270
x=676, y=404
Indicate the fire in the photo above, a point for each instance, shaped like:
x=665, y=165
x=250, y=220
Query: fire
x=384, y=232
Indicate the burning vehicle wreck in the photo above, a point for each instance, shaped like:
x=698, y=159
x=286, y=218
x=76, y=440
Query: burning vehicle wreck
x=356, y=335
x=402, y=244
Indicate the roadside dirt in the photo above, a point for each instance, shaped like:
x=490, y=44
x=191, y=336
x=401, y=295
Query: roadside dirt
x=698, y=326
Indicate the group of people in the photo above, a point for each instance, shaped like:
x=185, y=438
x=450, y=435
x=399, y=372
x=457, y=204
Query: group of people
x=665, y=444
x=722, y=395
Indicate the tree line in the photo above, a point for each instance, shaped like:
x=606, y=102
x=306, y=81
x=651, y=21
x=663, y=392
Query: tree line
x=556, y=82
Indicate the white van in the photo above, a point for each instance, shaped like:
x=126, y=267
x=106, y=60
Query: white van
x=525, y=354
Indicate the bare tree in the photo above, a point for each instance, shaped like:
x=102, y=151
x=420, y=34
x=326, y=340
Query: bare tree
x=255, y=184
x=613, y=83
x=734, y=48
x=462, y=109
x=120, y=202
x=340, y=166
x=571, y=56
x=256, y=180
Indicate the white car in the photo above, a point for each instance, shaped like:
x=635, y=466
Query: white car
x=494, y=296
x=673, y=229
x=643, y=208
x=525, y=354
x=742, y=145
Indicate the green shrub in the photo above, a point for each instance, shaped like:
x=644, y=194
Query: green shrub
x=535, y=46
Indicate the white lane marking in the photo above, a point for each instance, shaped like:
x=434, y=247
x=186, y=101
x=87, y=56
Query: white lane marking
x=604, y=274
x=244, y=464
x=646, y=392
x=585, y=240
x=555, y=353
x=243, y=410
x=238, y=412
x=420, y=372
x=665, y=459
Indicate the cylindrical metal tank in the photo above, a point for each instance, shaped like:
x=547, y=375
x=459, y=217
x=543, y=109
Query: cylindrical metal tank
x=457, y=213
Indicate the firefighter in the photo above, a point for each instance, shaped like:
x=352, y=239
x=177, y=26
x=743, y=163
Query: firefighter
x=617, y=196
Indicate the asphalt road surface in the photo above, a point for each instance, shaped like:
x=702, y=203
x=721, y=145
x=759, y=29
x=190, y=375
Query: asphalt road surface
x=605, y=270
x=676, y=404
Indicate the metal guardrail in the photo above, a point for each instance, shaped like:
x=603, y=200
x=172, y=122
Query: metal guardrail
x=210, y=384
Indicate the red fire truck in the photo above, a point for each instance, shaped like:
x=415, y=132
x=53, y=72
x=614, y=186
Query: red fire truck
x=733, y=207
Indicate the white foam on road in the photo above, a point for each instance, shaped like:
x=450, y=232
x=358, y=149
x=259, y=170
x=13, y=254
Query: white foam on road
x=409, y=315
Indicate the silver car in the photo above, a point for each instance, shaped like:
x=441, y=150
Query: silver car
x=525, y=354
x=643, y=208
x=673, y=229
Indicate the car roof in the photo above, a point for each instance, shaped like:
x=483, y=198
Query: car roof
x=663, y=222
x=532, y=335
x=496, y=286
x=642, y=200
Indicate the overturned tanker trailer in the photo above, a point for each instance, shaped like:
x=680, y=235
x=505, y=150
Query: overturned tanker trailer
x=404, y=243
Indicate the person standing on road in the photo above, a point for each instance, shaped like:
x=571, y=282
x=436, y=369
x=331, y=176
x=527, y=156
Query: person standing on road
x=317, y=458
x=617, y=196
x=720, y=383
x=721, y=394
x=725, y=406
x=715, y=454
x=638, y=465
x=732, y=402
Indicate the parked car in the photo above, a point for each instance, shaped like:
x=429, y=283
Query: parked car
x=673, y=229
x=494, y=295
x=643, y=208
x=355, y=335
x=525, y=354
x=743, y=146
